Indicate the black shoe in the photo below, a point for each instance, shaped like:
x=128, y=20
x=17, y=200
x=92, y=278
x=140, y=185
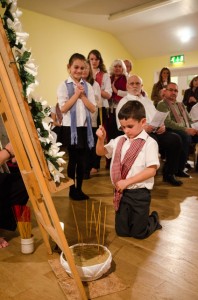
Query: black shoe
x=156, y=218
x=78, y=196
x=182, y=174
x=83, y=195
x=86, y=176
x=172, y=180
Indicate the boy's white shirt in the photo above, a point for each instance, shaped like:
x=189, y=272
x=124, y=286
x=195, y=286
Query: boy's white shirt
x=148, y=156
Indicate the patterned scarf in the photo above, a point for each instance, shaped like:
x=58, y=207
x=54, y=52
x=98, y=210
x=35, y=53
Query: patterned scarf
x=182, y=117
x=120, y=169
x=74, y=136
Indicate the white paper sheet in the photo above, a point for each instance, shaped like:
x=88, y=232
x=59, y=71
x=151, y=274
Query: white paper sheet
x=158, y=119
x=195, y=125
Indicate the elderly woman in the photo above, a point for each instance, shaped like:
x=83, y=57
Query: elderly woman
x=12, y=192
x=118, y=75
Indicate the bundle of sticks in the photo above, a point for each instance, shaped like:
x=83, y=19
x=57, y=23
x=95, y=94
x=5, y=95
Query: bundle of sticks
x=23, y=218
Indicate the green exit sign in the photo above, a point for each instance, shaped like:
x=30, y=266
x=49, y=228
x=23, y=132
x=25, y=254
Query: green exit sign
x=177, y=59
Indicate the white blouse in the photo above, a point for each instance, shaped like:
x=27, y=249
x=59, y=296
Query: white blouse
x=63, y=97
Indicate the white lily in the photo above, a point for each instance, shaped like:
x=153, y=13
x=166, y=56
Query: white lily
x=55, y=173
x=61, y=161
x=31, y=68
x=21, y=37
x=31, y=88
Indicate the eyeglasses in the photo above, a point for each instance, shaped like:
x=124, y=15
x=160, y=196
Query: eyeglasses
x=172, y=90
x=133, y=83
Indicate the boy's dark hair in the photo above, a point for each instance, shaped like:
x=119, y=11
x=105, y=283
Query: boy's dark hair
x=132, y=109
x=76, y=56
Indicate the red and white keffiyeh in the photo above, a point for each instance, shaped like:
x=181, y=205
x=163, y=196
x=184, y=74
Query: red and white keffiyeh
x=120, y=169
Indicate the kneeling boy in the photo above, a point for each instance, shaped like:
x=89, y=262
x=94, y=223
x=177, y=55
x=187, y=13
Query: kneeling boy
x=133, y=166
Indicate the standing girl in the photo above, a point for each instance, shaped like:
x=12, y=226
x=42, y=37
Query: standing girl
x=93, y=160
x=102, y=77
x=76, y=100
x=158, y=87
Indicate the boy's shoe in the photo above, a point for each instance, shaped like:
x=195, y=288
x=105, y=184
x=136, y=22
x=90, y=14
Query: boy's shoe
x=156, y=217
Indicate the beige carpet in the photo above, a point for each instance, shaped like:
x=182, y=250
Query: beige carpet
x=106, y=285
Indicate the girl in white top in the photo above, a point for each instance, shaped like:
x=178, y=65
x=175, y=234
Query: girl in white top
x=76, y=100
x=93, y=160
x=102, y=77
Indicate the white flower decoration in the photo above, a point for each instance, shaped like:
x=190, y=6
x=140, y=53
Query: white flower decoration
x=31, y=68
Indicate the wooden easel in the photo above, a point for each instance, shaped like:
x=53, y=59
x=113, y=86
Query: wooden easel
x=22, y=133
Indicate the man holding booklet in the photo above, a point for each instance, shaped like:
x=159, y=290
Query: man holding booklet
x=170, y=144
x=178, y=120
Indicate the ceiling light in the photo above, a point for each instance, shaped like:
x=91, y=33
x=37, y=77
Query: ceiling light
x=141, y=8
x=185, y=35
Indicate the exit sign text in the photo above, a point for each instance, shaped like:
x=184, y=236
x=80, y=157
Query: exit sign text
x=176, y=59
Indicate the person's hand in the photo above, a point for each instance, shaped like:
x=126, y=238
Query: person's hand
x=7, y=153
x=148, y=128
x=101, y=133
x=161, y=129
x=121, y=185
x=191, y=131
x=79, y=91
x=9, y=148
x=114, y=88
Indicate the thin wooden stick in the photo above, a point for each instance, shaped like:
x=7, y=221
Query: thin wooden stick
x=99, y=222
x=86, y=220
x=104, y=225
x=76, y=223
x=82, y=239
x=95, y=218
x=92, y=211
x=99, y=209
x=95, y=224
x=100, y=113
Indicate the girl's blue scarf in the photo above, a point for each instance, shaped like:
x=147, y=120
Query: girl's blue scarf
x=74, y=136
